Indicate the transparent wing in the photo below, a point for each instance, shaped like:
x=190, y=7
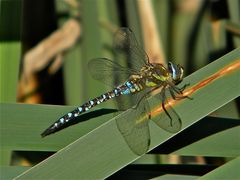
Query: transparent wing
x=125, y=44
x=108, y=71
x=113, y=73
x=134, y=128
x=168, y=120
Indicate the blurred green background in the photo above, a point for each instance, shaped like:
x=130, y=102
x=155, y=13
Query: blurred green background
x=45, y=47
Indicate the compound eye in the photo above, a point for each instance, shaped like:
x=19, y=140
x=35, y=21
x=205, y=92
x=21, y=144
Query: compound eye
x=170, y=67
x=181, y=71
x=173, y=69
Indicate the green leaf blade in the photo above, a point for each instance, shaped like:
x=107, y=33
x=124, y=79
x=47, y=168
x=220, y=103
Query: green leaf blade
x=103, y=151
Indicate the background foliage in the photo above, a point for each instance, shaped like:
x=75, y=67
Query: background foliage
x=203, y=36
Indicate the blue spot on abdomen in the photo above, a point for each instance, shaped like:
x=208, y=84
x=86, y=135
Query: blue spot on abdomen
x=126, y=91
x=129, y=85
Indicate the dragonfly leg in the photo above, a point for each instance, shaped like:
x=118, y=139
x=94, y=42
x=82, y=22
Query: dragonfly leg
x=144, y=96
x=172, y=94
x=163, y=104
x=176, y=89
x=179, y=91
x=184, y=87
x=176, y=97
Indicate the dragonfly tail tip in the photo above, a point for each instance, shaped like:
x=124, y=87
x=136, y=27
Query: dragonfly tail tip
x=47, y=132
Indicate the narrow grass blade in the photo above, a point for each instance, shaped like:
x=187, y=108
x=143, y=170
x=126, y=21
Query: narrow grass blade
x=103, y=151
x=229, y=170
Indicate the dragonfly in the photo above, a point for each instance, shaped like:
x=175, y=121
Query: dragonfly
x=138, y=78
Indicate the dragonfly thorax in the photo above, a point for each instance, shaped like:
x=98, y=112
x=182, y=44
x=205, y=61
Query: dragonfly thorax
x=154, y=74
x=150, y=75
x=159, y=72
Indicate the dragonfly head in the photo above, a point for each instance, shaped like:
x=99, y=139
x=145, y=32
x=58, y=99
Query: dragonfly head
x=176, y=72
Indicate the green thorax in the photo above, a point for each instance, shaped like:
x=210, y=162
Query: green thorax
x=151, y=75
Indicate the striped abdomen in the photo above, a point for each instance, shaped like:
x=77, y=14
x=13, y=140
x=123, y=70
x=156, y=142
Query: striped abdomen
x=125, y=89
